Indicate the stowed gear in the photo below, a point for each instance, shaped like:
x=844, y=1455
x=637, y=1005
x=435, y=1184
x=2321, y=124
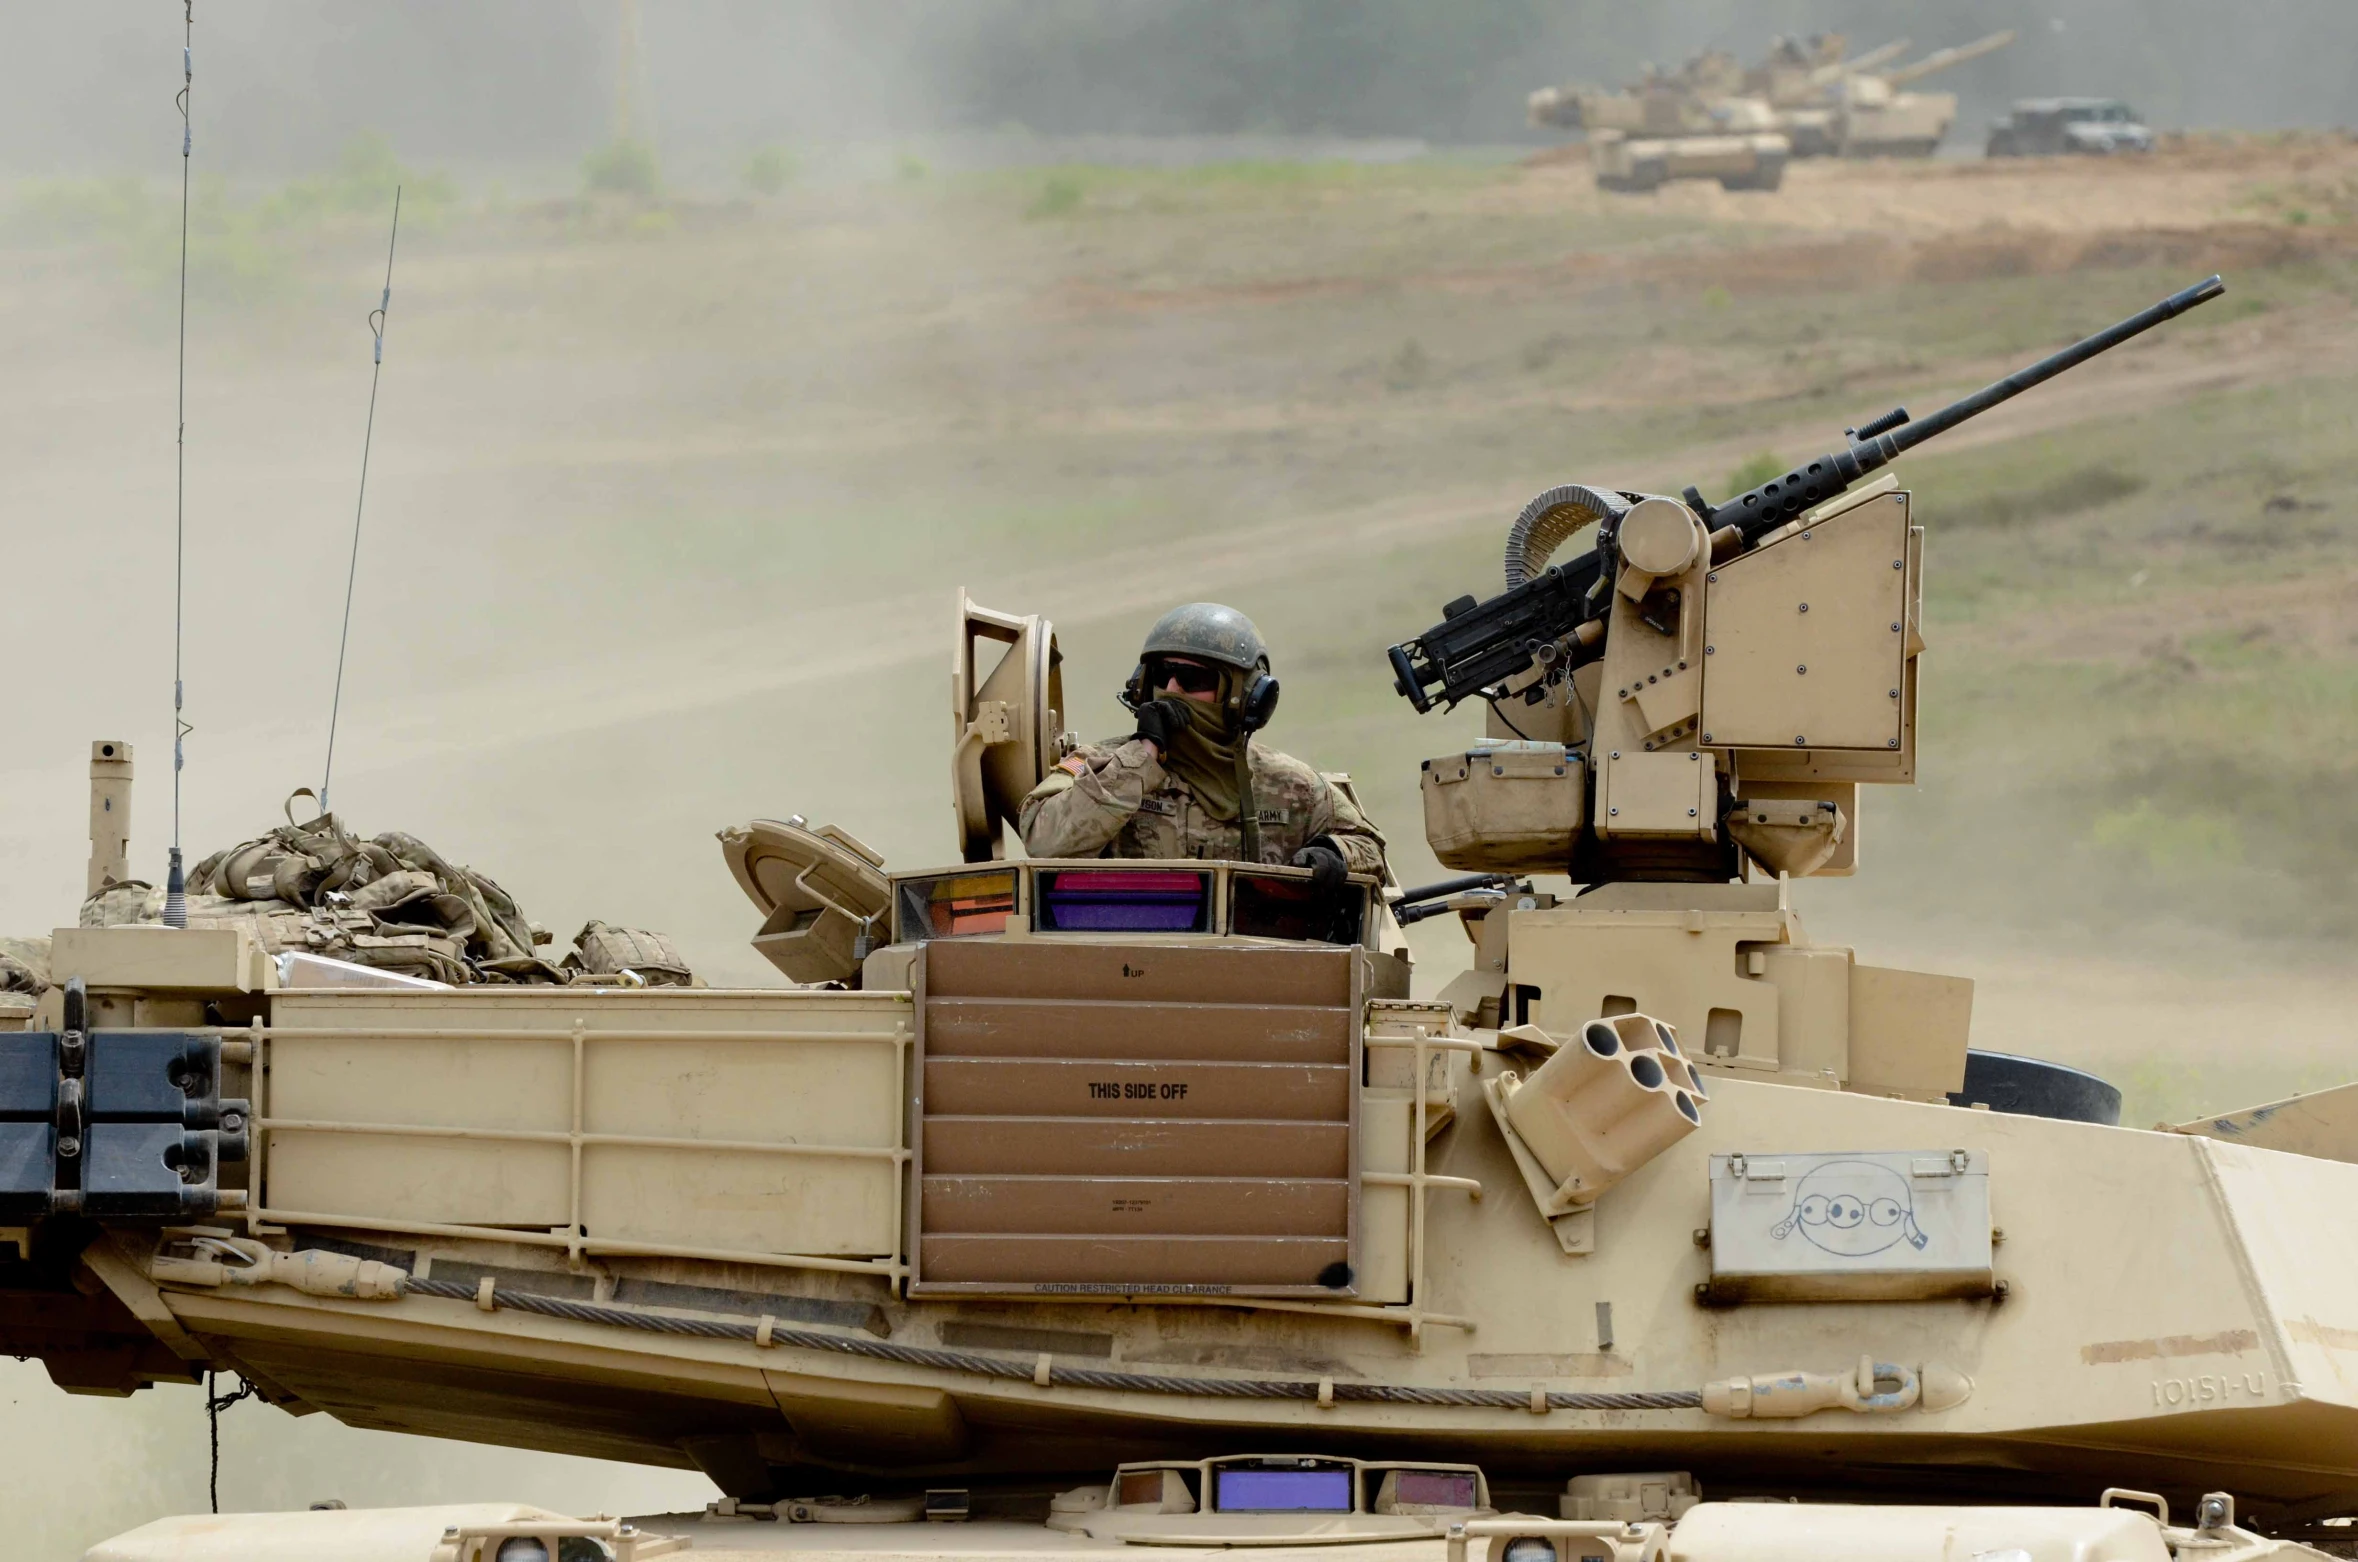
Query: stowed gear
x=392, y=902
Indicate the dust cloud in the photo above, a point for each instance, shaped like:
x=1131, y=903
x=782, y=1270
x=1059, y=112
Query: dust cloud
x=525, y=87
x=1092, y=307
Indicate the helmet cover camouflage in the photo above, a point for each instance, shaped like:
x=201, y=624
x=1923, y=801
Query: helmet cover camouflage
x=1208, y=631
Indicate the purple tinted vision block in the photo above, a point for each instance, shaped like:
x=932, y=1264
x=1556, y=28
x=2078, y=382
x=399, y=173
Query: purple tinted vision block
x=1094, y=915
x=1282, y=1491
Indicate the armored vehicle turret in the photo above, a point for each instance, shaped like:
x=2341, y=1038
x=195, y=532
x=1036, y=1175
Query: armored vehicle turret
x=1878, y=116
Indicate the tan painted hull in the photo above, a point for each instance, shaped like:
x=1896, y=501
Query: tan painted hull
x=2172, y=1317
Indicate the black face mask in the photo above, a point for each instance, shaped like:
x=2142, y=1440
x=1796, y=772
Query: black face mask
x=1208, y=757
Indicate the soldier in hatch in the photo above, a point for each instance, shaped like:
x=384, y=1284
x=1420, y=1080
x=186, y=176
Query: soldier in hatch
x=1191, y=782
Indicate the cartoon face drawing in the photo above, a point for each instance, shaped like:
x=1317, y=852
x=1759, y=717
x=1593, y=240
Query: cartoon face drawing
x=1852, y=1209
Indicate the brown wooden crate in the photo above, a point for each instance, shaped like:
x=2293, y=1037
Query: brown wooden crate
x=1139, y=1206
x=1067, y=1087
x=1102, y=1146
x=1036, y=1262
x=1069, y=1028
x=1133, y=973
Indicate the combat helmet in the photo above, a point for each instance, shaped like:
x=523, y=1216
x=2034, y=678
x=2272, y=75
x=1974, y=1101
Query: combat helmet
x=1221, y=635
x=1209, y=631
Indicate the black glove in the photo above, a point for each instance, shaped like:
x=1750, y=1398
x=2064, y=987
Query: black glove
x=1159, y=720
x=1326, y=867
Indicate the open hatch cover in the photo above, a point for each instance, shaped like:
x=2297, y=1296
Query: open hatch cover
x=1007, y=721
x=816, y=888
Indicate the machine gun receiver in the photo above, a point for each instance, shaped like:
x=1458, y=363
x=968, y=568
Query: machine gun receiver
x=1559, y=612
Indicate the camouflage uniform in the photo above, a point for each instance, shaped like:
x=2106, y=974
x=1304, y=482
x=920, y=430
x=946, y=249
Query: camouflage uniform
x=1116, y=800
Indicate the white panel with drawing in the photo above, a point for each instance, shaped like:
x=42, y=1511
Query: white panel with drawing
x=1863, y=1225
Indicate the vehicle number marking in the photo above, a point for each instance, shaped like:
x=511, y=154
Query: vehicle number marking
x=2210, y=1388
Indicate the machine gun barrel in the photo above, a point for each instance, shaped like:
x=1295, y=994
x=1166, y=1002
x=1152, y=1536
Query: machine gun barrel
x=2079, y=352
x=1479, y=644
x=1442, y=888
x=1786, y=498
x=1432, y=900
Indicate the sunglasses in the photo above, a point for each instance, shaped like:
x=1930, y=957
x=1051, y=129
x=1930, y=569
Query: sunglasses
x=1192, y=677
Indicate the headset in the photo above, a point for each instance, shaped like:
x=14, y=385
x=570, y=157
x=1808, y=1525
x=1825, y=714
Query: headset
x=1254, y=706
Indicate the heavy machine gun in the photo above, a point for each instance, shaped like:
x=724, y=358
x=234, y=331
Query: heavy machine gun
x=1556, y=617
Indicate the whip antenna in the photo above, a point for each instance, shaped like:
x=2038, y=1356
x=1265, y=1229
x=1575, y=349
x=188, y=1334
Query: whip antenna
x=376, y=323
x=176, y=882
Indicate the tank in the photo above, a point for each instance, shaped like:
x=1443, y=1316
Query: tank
x=1806, y=98
x=1876, y=115
x=1698, y=122
x=1101, y=1203
x=1800, y=81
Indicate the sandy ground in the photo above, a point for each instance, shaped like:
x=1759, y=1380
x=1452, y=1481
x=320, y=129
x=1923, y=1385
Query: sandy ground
x=2198, y=185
